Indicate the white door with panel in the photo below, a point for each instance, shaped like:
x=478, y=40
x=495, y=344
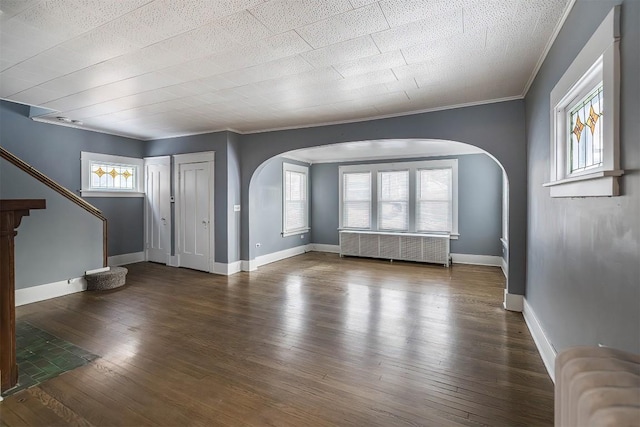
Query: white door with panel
x=158, y=209
x=194, y=205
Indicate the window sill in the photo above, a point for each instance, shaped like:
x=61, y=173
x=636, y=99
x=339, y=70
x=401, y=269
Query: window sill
x=295, y=232
x=596, y=184
x=452, y=236
x=85, y=193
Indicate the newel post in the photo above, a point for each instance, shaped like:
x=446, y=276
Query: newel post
x=11, y=213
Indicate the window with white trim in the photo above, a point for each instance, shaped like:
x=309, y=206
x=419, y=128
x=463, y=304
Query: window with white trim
x=435, y=200
x=356, y=200
x=393, y=200
x=585, y=158
x=295, y=209
x=105, y=175
x=401, y=197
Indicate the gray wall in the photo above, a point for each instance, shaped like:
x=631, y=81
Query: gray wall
x=55, y=244
x=583, y=275
x=497, y=128
x=479, y=203
x=225, y=182
x=55, y=151
x=266, y=210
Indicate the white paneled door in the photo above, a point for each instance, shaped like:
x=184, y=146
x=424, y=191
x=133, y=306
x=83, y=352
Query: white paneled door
x=158, y=209
x=195, y=194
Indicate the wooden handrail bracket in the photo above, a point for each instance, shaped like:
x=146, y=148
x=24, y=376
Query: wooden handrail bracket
x=68, y=194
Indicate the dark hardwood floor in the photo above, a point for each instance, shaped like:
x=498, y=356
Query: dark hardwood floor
x=312, y=340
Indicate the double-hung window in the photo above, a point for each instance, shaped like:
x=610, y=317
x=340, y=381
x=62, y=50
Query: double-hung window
x=417, y=197
x=295, y=209
x=356, y=200
x=434, y=200
x=393, y=200
x=105, y=175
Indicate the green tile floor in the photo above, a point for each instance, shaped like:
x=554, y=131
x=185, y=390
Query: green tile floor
x=42, y=356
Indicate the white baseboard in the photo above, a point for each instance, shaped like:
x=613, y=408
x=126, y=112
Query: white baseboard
x=513, y=302
x=280, y=255
x=492, y=260
x=253, y=264
x=545, y=348
x=117, y=260
x=505, y=268
x=227, y=269
x=50, y=290
x=320, y=247
x=250, y=265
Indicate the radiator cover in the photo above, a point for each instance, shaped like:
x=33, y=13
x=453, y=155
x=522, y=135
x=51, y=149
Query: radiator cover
x=433, y=248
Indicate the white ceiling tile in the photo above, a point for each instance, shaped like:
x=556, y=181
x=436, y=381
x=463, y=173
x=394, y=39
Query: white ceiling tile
x=270, y=70
x=244, y=28
x=402, y=85
x=284, y=15
x=292, y=82
x=362, y=80
x=211, y=39
x=9, y=8
x=359, y=3
x=371, y=63
x=133, y=30
x=444, y=26
x=399, y=12
x=444, y=47
x=99, y=45
x=111, y=9
x=488, y=13
x=12, y=85
x=160, y=19
x=349, y=50
x=283, y=45
x=348, y=25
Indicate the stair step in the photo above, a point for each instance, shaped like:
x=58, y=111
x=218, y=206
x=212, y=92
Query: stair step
x=114, y=278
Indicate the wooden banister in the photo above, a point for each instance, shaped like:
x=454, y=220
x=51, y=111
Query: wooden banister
x=11, y=213
x=19, y=163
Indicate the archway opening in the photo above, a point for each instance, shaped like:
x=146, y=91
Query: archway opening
x=482, y=197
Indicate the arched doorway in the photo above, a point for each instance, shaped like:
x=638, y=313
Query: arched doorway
x=484, y=238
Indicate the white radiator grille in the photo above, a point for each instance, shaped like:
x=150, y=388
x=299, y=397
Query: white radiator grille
x=349, y=244
x=396, y=246
x=389, y=247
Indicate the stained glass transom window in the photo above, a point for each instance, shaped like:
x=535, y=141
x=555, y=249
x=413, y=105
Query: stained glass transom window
x=586, y=136
x=105, y=176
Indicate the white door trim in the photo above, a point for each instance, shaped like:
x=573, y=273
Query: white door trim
x=163, y=161
x=180, y=159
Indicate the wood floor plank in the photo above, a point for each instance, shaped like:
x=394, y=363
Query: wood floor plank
x=311, y=340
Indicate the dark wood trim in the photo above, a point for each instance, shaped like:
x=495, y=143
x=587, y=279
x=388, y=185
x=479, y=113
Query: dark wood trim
x=11, y=213
x=19, y=163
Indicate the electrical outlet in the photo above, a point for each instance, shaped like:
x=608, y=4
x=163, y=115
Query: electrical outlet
x=302, y=236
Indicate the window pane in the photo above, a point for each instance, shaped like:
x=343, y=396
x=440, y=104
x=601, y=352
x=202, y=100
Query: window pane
x=434, y=216
x=585, y=132
x=394, y=185
x=394, y=215
x=356, y=214
x=434, y=203
x=107, y=176
x=295, y=194
x=356, y=203
x=357, y=186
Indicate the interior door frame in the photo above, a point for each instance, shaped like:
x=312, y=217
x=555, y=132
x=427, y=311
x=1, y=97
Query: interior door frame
x=163, y=161
x=180, y=159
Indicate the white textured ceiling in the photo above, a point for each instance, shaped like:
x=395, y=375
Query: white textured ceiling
x=382, y=149
x=161, y=68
